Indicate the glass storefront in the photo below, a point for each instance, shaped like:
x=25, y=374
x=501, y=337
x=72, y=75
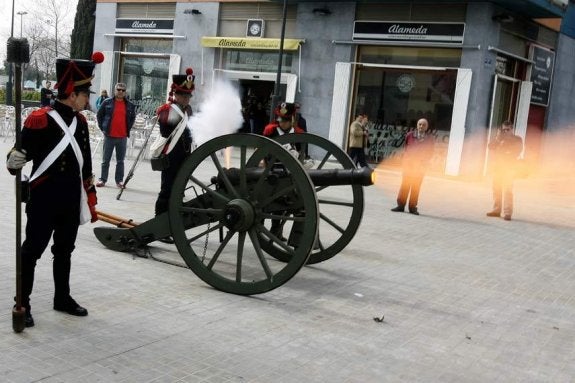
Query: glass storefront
x=255, y=61
x=395, y=97
x=145, y=75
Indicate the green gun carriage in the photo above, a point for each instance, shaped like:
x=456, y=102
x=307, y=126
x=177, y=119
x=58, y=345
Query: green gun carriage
x=235, y=198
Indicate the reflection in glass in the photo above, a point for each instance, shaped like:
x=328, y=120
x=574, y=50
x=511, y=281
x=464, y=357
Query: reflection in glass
x=394, y=99
x=256, y=61
x=146, y=76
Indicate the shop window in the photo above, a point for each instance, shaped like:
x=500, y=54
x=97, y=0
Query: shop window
x=146, y=76
x=147, y=45
x=396, y=55
x=394, y=99
x=255, y=61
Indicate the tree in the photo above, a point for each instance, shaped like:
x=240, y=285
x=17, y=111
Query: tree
x=83, y=32
x=48, y=38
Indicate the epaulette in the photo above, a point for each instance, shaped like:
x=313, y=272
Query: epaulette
x=297, y=129
x=38, y=119
x=81, y=117
x=163, y=108
x=270, y=128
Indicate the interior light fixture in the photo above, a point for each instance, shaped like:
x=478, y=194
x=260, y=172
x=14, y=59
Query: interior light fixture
x=503, y=18
x=192, y=12
x=321, y=11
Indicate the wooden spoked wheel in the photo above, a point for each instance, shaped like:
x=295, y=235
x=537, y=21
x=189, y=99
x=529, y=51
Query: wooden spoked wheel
x=222, y=208
x=341, y=206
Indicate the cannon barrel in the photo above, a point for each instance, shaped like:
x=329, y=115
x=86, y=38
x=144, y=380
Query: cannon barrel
x=328, y=177
x=319, y=177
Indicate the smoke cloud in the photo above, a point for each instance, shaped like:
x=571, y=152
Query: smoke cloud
x=220, y=113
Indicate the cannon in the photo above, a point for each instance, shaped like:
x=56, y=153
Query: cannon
x=235, y=198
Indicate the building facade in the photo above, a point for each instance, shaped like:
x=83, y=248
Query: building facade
x=465, y=66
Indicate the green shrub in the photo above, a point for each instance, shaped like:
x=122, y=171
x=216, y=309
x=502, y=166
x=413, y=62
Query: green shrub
x=31, y=95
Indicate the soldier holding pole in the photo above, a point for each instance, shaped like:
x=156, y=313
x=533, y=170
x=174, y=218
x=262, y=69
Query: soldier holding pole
x=62, y=195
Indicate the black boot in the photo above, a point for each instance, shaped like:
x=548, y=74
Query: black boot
x=28, y=268
x=28, y=320
x=62, y=299
x=70, y=306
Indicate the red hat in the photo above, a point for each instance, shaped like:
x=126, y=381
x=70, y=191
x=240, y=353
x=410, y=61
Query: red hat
x=76, y=75
x=284, y=111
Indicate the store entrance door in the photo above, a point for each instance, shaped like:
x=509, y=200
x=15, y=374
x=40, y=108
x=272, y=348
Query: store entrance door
x=256, y=96
x=510, y=101
x=256, y=89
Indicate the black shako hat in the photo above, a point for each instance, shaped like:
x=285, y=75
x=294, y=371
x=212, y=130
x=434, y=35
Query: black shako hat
x=183, y=83
x=284, y=111
x=76, y=75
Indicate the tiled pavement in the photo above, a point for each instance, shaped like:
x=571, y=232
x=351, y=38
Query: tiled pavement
x=463, y=297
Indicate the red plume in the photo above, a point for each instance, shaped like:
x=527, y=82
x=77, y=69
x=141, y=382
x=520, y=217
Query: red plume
x=97, y=57
x=189, y=71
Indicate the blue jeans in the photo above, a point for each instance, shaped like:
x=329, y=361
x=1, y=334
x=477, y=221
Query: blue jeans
x=119, y=144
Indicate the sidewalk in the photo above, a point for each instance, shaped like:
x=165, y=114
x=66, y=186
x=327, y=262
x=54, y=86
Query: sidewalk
x=463, y=298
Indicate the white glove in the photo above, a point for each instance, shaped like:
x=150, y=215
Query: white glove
x=294, y=153
x=308, y=164
x=16, y=160
x=291, y=149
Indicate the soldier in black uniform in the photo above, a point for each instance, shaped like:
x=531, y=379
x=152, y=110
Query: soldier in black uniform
x=169, y=117
x=62, y=194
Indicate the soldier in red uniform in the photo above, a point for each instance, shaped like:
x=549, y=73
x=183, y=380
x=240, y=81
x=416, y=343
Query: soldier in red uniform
x=284, y=124
x=62, y=194
x=173, y=118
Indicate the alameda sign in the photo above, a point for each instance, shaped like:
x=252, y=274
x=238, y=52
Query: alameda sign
x=151, y=26
x=448, y=33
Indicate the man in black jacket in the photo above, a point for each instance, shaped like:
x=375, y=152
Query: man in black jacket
x=46, y=94
x=116, y=117
x=505, y=149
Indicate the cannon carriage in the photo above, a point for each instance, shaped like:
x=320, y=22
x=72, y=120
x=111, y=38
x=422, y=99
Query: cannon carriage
x=246, y=215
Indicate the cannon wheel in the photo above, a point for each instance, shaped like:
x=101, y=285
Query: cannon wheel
x=239, y=212
x=341, y=207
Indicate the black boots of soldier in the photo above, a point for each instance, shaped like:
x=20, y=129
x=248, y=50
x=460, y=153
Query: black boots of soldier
x=70, y=306
x=28, y=320
x=62, y=299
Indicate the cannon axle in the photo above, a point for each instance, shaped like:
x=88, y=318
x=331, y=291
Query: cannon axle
x=239, y=215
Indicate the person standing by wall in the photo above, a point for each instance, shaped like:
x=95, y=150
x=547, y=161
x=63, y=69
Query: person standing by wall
x=418, y=152
x=46, y=94
x=99, y=100
x=505, y=149
x=115, y=119
x=62, y=195
x=357, y=140
x=173, y=118
x=301, y=123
